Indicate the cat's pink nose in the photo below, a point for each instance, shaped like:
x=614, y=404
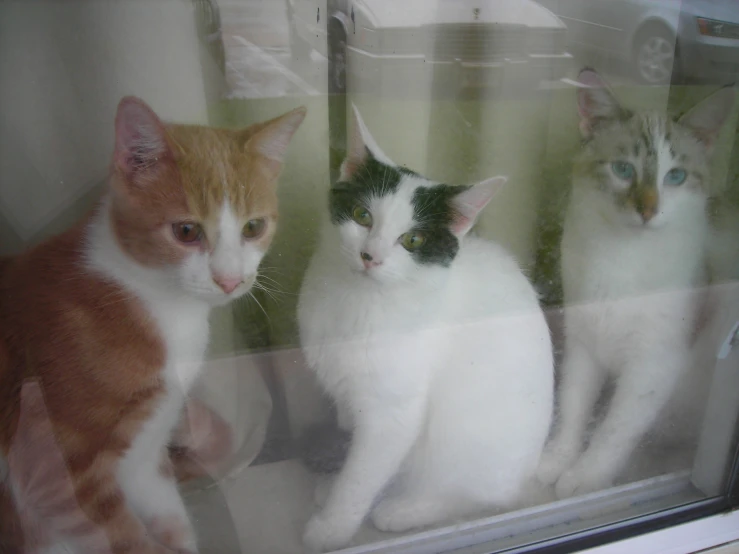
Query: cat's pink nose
x=228, y=284
x=647, y=214
x=368, y=260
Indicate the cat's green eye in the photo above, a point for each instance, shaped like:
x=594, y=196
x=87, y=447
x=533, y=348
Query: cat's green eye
x=187, y=232
x=623, y=170
x=412, y=241
x=675, y=177
x=362, y=216
x=254, y=228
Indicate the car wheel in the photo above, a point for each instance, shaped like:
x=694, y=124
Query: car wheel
x=337, y=67
x=655, y=56
x=208, y=22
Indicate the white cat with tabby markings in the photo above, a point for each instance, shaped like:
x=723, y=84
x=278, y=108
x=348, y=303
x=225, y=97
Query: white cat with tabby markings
x=633, y=253
x=433, y=345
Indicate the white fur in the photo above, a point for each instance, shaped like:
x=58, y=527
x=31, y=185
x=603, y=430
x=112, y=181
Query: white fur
x=630, y=308
x=444, y=375
x=229, y=256
x=179, y=300
x=392, y=217
x=723, y=244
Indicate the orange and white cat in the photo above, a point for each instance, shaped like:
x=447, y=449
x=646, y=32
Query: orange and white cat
x=104, y=329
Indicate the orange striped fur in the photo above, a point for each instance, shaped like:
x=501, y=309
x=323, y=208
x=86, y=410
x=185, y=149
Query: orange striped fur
x=83, y=356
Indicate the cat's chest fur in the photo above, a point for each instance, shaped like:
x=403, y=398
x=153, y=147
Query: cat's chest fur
x=367, y=336
x=628, y=287
x=182, y=325
x=184, y=331
x=600, y=262
x=182, y=321
x=361, y=311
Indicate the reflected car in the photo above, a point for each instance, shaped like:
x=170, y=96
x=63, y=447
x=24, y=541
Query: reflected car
x=390, y=45
x=208, y=22
x=660, y=40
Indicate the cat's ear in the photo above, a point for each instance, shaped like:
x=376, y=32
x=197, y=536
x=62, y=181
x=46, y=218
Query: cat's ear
x=140, y=139
x=273, y=138
x=361, y=145
x=468, y=203
x=595, y=101
x=707, y=117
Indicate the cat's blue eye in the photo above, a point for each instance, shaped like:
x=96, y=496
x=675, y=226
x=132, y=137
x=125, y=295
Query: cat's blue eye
x=623, y=170
x=676, y=176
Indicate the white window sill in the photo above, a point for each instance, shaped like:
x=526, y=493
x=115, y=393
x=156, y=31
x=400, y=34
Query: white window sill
x=263, y=509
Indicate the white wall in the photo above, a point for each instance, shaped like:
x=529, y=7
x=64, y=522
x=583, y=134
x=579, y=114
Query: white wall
x=63, y=68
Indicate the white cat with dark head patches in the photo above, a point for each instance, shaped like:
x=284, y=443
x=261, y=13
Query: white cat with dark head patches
x=633, y=253
x=433, y=346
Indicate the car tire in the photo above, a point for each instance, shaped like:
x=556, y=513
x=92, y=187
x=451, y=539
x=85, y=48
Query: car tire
x=655, y=58
x=336, y=57
x=337, y=68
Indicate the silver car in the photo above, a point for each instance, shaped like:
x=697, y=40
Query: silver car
x=392, y=45
x=660, y=40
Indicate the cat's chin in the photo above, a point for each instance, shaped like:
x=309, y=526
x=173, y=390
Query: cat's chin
x=367, y=273
x=370, y=275
x=217, y=299
x=648, y=226
x=225, y=299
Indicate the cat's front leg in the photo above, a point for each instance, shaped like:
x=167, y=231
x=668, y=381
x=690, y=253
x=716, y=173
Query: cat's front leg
x=152, y=491
x=582, y=381
x=383, y=435
x=641, y=392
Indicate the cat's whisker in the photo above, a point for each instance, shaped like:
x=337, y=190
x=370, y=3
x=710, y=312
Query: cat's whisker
x=269, y=279
x=251, y=295
x=275, y=270
x=265, y=291
x=271, y=291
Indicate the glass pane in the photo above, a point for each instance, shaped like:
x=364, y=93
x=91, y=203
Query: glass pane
x=481, y=294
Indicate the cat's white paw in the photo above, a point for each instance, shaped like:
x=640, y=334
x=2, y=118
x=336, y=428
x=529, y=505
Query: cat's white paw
x=581, y=480
x=394, y=515
x=555, y=460
x=325, y=534
x=174, y=532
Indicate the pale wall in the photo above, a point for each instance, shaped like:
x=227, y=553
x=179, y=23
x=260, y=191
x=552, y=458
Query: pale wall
x=63, y=68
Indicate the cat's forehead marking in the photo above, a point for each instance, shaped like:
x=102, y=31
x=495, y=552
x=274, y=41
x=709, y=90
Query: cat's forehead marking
x=395, y=211
x=229, y=224
x=225, y=257
x=220, y=165
x=216, y=168
x=651, y=148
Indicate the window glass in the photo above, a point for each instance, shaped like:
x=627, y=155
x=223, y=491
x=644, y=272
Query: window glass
x=481, y=295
